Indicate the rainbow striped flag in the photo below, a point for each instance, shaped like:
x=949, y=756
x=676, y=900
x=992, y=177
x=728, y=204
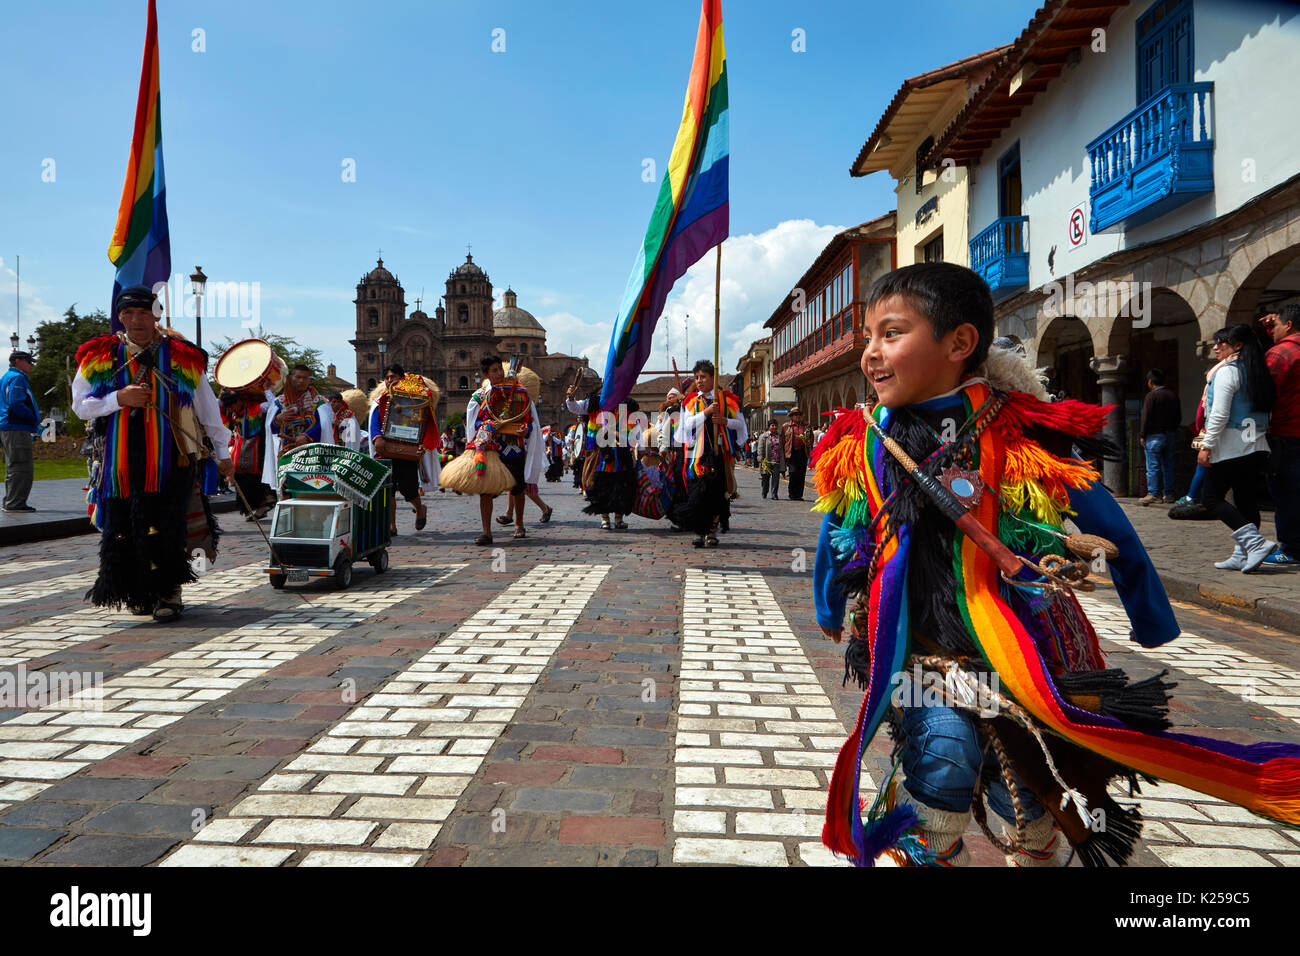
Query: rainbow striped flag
x=690, y=215
x=140, y=247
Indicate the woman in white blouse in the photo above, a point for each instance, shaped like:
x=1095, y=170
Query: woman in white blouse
x=1238, y=400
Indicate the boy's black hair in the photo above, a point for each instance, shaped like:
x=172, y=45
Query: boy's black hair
x=948, y=295
x=1156, y=376
x=334, y=395
x=396, y=370
x=301, y=368
x=705, y=365
x=488, y=361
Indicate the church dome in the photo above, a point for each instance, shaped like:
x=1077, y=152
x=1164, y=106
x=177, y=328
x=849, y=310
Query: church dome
x=468, y=269
x=510, y=320
x=379, y=274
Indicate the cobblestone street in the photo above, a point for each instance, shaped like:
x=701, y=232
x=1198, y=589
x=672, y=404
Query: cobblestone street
x=577, y=697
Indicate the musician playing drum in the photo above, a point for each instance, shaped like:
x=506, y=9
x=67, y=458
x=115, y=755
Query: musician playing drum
x=148, y=398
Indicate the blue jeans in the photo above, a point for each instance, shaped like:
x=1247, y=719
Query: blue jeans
x=943, y=757
x=1160, y=463
x=1198, y=479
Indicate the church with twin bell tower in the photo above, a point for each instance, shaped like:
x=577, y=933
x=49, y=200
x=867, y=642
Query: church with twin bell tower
x=448, y=345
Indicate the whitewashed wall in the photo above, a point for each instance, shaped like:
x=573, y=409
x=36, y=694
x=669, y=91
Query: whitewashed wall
x=1247, y=49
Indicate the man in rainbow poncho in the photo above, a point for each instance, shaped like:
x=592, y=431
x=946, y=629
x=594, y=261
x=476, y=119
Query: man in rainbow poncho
x=944, y=510
x=151, y=408
x=711, y=432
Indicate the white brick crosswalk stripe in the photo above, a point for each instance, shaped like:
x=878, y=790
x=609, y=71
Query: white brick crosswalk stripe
x=1183, y=827
x=21, y=644
x=12, y=567
x=54, y=742
x=756, y=737
x=44, y=587
x=376, y=789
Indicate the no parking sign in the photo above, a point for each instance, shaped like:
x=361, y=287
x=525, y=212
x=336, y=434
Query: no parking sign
x=1078, y=227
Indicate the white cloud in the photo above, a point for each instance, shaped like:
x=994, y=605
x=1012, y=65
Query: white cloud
x=34, y=309
x=758, y=271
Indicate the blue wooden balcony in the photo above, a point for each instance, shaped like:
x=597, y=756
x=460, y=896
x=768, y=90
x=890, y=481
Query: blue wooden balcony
x=1155, y=159
x=1001, y=255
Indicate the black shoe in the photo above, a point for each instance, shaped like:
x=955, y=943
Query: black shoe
x=21, y=508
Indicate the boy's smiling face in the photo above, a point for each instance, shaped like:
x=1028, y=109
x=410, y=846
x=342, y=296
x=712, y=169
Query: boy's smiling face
x=903, y=361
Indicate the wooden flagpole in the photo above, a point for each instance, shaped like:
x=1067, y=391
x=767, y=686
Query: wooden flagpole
x=717, y=338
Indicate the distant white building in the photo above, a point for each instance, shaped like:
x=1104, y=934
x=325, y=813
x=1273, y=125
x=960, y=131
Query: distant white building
x=1134, y=187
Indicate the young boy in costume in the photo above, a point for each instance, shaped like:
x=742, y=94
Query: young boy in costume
x=959, y=568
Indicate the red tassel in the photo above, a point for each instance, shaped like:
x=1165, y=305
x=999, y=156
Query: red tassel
x=853, y=424
x=1072, y=417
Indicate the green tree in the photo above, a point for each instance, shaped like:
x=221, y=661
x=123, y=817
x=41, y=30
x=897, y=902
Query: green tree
x=56, y=363
x=288, y=349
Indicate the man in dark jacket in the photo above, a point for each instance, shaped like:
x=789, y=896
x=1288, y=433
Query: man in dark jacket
x=20, y=419
x=1160, y=417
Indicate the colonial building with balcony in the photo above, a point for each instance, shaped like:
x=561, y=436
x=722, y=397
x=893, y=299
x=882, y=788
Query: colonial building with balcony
x=932, y=220
x=759, y=398
x=817, y=328
x=1135, y=186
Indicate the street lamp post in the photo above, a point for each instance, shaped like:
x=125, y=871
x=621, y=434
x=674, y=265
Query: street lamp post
x=197, y=281
x=13, y=342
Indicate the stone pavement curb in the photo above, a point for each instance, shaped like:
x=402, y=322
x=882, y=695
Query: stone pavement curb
x=1183, y=553
x=50, y=529
x=1275, y=612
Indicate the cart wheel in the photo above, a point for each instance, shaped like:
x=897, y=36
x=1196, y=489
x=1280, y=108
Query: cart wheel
x=277, y=580
x=342, y=573
x=379, y=561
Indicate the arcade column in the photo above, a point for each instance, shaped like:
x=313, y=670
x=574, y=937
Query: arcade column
x=1112, y=374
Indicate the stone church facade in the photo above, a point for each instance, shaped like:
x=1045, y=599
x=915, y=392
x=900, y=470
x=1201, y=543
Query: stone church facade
x=448, y=346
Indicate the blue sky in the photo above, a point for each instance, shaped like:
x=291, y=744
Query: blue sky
x=534, y=155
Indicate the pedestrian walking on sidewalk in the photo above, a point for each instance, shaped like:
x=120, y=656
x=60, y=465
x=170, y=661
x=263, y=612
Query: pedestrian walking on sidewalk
x=1238, y=401
x=771, y=458
x=20, y=419
x=796, y=441
x=1284, y=433
x=1160, y=416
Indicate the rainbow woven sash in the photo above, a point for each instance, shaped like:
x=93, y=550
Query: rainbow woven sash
x=695, y=404
x=105, y=362
x=852, y=481
x=608, y=459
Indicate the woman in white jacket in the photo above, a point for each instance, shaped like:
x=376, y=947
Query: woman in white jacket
x=1238, y=400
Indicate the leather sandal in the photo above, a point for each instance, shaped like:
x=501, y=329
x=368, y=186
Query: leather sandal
x=547, y=517
x=421, y=517
x=504, y=519
x=519, y=533
x=167, y=611
x=483, y=539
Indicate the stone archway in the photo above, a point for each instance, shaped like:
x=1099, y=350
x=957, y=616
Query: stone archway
x=1154, y=329
x=1066, y=349
x=1160, y=331
x=1270, y=284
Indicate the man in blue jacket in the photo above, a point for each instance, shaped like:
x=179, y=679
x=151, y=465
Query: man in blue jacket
x=20, y=419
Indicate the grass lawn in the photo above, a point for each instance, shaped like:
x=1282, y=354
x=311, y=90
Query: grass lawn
x=56, y=468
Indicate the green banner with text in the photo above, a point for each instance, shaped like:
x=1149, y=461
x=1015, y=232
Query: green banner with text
x=332, y=469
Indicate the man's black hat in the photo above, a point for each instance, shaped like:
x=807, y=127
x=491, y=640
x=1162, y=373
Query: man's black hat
x=135, y=297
